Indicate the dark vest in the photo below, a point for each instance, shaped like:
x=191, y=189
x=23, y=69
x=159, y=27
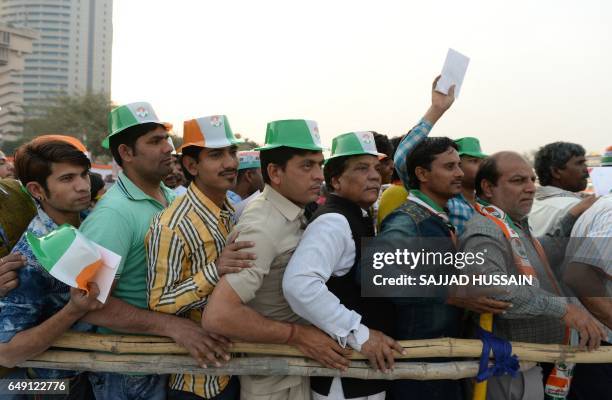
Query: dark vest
x=375, y=313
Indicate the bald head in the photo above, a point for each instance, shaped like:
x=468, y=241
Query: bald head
x=490, y=167
x=507, y=180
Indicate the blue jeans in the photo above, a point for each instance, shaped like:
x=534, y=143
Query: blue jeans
x=111, y=386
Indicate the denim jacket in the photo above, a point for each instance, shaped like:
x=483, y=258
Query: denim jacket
x=414, y=228
x=38, y=296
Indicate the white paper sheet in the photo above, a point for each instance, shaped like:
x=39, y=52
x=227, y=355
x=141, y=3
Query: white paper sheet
x=602, y=180
x=453, y=72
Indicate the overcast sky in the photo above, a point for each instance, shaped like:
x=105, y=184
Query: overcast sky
x=540, y=71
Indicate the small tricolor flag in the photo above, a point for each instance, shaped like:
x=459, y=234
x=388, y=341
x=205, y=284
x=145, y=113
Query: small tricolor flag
x=75, y=260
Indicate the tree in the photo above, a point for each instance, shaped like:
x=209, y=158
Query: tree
x=248, y=144
x=83, y=116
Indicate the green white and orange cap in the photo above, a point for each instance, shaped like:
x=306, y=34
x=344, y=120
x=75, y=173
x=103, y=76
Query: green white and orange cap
x=68, y=139
x=249, y=159
x=129, y=115
x=74, y=260
x=294, y=133
x=213, y=132
x=354, y=144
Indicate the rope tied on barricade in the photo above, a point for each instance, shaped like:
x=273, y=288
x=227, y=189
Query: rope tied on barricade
x=504, y=361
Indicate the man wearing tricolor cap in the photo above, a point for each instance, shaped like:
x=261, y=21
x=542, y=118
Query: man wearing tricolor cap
x=138, y=141
x=249, y=183
x=249, y=305
x=188, y=246
x=321, y=279
x=41, y=308
x=16, y=212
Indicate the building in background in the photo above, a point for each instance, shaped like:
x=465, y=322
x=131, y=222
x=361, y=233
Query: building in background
x=15, y=44
x=73, y=54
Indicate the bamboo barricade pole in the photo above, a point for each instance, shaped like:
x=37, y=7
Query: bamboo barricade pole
x=442, y=347
x=278, y=366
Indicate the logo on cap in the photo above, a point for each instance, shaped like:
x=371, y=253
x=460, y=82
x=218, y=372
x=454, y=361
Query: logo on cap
x=316, y=133
x=216, y=121
x=366, y=138
x=142, y=112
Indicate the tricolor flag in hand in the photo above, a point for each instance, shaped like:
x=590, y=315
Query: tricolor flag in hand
x=75, y=260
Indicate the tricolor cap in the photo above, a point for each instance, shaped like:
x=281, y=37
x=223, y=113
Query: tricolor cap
x=68, y=139
x=74, y=260
x=129, y=115
x=295, y=133
x=249, y=159
x=354, y=144
x=213, y=132
x=606, y=159
x=470, y=146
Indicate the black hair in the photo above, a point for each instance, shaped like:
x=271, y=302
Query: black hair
x=383, y=144
x=97, y=183
x=334, y=168
x=280, y=156
x=128, y=137
x=33, y=160
x=193, y=152
x=555, y=155
x=487, y=171
x=424, y=154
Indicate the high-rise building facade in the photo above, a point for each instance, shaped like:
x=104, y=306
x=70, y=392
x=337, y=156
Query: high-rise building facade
x=15, y=44
x=73, y=54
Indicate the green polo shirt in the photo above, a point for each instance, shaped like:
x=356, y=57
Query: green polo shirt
x=120, y=222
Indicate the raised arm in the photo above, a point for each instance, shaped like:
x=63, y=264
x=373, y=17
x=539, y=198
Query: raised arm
x=439, y=104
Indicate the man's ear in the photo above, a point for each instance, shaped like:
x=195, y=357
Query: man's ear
x=554, y=172
x=422, y=174
x=126, y=152
x=190, y=164
x=248, y=176
x=274, y=172
x=335, y=183
x=487, y=188
x=36, y=190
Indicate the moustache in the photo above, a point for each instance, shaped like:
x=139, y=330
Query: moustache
x=228, y=171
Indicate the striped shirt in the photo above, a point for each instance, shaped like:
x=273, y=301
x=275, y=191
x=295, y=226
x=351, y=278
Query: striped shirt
x=591, y=242
x=183, y=244
x=460, y=210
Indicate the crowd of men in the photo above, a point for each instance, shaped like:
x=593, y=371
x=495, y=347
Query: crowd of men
x=265, y=246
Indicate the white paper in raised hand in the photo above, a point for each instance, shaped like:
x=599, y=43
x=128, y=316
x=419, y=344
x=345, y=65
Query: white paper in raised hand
x=453, y=72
